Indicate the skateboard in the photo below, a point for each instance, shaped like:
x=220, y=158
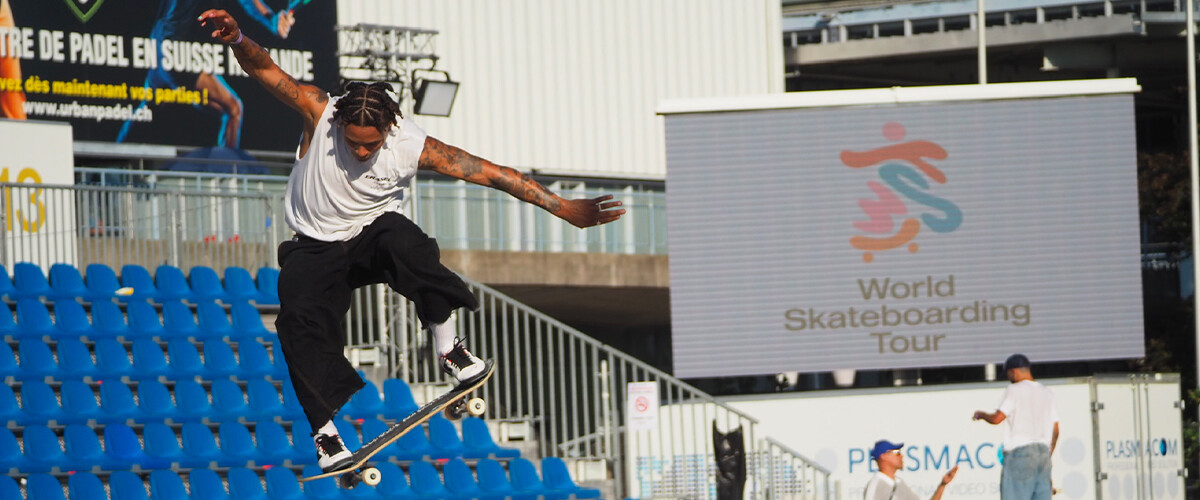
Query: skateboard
x=453, y=403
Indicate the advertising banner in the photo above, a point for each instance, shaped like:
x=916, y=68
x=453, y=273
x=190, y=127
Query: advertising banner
x=146, y=71
x=37, y=221
x=903, y=235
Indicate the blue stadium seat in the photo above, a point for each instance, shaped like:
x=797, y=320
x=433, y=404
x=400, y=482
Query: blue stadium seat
x=10, y=489
x=125, y=485
x=348, y=433
x=6, y=284
x=10, y=412
x=219, y=359
x=143, y=321
x=274, y=446
x=33, y=320
x=524, y=477
x=121, y=445
x=493, y=480
x=149, y=360
x=191, y=402
x=205, y=484
x=85, y=485
x=112, y=360
x=79, y=403
x=425, y=481
x=247, y=322
x=558, y=480
x=8, y=326
x=239, y=286
x=42, y=487
x=139, y=279
x=375, y=427
x=396, y=483
x=254, y=361
x=43, y=453
x=212, y=320
x=398, y=401
x=9, y=369
x=364, y=404
x=321, y=489
x=228, y=401
x=11, y=458
x=444, y=438
x=154, y=402
x=172, y=285
x=117, y=404
x=108, y=321
x=200, y=446
x=268, y=286
x=39, y=402
x=265, y=402
x=414, y=445
x=302, y=441
x=29, y=281
x=245, y=485
x=184, y=360
x=282, y=484
x=291, y=405
x=101, y=282
x=67, y=283
x=37, y=362
x=237, y=446
x=162, y=447
x=458, y=478
x=70, y=320
x=166, y=485
x=206, y=284
x=477, y=439
x=75, y=360
x=178, y=320
x=82, y=448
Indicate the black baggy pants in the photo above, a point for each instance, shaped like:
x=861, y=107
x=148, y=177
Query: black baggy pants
x=316, y=279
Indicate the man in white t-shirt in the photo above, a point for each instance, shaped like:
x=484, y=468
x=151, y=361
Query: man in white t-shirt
x=885, y=485
x=355, y=158
x=1030, y=433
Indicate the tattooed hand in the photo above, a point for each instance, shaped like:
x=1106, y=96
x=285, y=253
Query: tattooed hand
x=590, y=212
x=225, y=27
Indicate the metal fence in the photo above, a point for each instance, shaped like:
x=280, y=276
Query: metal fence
x=571, y=394
x=80, y=225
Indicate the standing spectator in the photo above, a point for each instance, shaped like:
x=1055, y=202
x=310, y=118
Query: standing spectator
x=1030, y=433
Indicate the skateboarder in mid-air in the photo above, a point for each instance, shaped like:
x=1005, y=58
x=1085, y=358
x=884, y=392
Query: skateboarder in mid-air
x=355, y=157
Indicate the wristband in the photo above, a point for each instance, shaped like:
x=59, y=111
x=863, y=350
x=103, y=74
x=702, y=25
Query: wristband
x=239, y=40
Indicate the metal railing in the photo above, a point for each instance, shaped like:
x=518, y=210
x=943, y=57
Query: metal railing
x=78, y=225
x=572, y=394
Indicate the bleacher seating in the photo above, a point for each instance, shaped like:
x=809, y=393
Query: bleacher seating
x=179, y=391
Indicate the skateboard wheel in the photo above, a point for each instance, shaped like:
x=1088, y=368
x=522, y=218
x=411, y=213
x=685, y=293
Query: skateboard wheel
x=371, y=476
x=476, y=407
x=453, y=412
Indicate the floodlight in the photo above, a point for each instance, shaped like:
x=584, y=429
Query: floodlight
x=434, y=97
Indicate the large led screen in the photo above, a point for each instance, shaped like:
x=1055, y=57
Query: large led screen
x=903, y=235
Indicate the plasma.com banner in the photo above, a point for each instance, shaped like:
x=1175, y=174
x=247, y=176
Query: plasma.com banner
x=899, y=236
x=146, y=72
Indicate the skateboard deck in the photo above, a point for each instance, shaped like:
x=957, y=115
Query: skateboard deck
x=395, y=431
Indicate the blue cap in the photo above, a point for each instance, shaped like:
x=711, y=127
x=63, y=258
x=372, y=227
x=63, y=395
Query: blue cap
x=1016, y=361
x=883, y=446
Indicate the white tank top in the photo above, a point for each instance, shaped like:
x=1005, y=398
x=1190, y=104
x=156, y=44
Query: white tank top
x=331, y=195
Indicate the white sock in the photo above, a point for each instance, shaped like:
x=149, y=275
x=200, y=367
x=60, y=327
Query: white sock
x=443, y=334
x=328, y=429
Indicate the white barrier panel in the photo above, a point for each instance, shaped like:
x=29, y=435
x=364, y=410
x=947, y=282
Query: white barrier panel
x=37, y=153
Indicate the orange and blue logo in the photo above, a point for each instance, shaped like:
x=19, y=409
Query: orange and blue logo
x=902, y=193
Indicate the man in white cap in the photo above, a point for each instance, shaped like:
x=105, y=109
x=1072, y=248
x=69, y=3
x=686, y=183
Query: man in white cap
x=885, y=485
x=1030, y=433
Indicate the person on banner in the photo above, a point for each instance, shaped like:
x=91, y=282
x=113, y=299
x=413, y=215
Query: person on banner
x=343, y=200
x=175, y=21
x=12, y=102
x=1030, y=433
x=886, y=485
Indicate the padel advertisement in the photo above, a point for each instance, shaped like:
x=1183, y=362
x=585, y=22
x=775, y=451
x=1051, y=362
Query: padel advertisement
x=147, y=72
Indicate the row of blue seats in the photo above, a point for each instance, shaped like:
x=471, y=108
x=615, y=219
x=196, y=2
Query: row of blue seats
x=149, y=360
x=234, y=445
x=167, y=283
x=422, y=482
x=141, y=320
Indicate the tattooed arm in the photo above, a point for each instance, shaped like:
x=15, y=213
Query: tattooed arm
x=308, y=100
x=454, y=162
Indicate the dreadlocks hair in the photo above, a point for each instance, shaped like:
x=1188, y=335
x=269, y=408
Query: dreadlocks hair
x=367, y=105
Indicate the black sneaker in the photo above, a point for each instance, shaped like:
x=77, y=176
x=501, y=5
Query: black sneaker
x=331, y=452
x=461, y=364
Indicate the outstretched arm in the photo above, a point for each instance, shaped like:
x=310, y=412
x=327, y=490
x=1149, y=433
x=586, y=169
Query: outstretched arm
x=937, y=494
x=308, y=100
x=993, y=418
x=454, y=162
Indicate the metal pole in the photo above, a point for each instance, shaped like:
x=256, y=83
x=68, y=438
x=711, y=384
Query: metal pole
x=1192, y=162
x=980, y=28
